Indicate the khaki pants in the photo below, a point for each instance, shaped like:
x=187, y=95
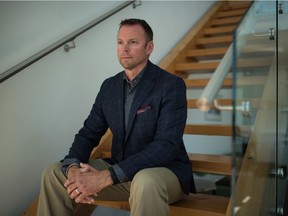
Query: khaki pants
x=149, y=194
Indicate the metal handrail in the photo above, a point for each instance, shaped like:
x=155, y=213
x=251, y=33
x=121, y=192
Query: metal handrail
x=29, y=61
x=207, y=98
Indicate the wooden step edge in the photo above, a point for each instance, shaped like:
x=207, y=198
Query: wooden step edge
x=200, y=205
x=217, y=130
x=201, y=83
x=214, y=40
x=211, y=66
x=192, y=103
x=231, y=13
x=254, y=102
x=208, y=129
x=226, y=21
x=219, y=30
x=122, y=205
x=190, y=67
x=207, y=52
x=214, y=164
x=239, y=5
x=241, y=81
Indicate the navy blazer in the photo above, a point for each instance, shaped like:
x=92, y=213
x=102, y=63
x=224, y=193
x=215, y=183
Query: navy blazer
x=155, y=128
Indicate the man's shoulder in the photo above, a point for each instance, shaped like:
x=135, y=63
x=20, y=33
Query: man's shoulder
x=114, y=78
x=163, y=73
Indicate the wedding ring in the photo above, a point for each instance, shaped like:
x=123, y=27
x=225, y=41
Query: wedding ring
x=77, y=191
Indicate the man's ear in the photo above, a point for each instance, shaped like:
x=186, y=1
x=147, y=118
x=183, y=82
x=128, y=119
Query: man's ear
x=150, y=47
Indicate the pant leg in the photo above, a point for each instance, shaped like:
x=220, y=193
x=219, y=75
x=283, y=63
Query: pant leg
x=152, y=190
x=54, y=200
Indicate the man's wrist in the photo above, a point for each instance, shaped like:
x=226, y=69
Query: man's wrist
x=108, y=178
x=66, y=163
x=71, y=166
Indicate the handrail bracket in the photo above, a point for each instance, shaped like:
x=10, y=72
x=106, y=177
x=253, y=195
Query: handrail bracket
x=244, y=107
x=137, y=3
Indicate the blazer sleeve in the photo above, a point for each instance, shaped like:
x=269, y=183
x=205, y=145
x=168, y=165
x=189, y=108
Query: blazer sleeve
x=89, y=135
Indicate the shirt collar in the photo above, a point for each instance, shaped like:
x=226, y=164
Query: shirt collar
x=134, y=81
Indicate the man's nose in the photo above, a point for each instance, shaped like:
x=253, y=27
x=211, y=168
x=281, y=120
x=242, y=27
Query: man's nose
x=125, y=47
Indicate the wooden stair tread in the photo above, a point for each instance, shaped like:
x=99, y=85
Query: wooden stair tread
x=189, y=67
x=231, y=13
x=214, y=40
x=122, y=205
x=211, y=66
x=218, y=30
x=237, y=5
x=241, y=81
x=216, y=130
x=207, y=163
x=226, y=21
x=207, y=52
x=201, y=83
x=200, y=205
x=191, y=103
x=205, y=129
x=194, y=204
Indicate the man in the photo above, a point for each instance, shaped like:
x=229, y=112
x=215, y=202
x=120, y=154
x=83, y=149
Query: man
x=145, y=108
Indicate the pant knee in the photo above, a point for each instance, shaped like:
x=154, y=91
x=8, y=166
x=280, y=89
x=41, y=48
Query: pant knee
x=53, y=172
x=145, y=183
x=148, y=194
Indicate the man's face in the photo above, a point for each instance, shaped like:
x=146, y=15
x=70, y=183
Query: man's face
x=132, y=47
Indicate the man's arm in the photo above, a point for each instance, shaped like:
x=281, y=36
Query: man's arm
x=88, y=136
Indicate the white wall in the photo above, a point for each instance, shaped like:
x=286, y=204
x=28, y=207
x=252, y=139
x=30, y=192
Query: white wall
x=42, y=107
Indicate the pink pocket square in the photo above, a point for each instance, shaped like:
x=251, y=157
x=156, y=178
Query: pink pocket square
x=143, y=109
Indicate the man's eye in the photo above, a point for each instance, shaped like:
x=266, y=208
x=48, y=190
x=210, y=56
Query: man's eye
x=134, y=42
x=119, y=42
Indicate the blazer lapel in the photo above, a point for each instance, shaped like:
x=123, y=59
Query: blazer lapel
x=118, y=106
x=145, y=86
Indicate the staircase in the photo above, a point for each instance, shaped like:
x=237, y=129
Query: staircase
x=193, y=59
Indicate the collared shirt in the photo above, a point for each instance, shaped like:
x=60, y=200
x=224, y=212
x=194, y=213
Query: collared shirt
x=130, y=89
x=117, y=173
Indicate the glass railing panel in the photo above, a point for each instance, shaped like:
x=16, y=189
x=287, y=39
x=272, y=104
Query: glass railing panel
x=282, y=107
x=255, y=132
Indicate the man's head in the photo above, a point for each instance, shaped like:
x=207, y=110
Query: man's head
x=146, y=27
x=134, y=44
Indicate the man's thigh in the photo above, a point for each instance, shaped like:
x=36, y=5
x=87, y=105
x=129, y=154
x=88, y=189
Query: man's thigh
x=159, y=177
x=121, y=191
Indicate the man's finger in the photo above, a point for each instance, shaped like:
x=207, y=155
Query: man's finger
x=84, y=199
x=67, y=183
